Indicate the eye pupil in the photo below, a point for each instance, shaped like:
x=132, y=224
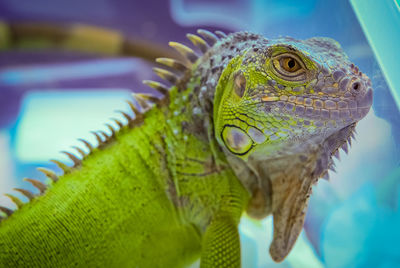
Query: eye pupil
x=291, y=63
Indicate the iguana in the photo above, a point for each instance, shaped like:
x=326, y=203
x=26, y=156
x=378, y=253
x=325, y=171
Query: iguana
x=248, y=125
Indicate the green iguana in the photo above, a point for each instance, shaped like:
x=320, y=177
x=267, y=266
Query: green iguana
x=248, y=125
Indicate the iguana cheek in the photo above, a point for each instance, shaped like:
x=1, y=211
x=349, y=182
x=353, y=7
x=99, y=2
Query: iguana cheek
x=236, y=140
x=256, y=135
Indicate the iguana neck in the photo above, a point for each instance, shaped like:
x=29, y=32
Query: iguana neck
x=205, y=74
x=201, y=172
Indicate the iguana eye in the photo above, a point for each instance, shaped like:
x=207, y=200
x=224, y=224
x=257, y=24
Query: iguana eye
x=289, y=66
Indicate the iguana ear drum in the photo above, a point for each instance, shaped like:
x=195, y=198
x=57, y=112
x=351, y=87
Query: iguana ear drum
x=239, y=84
x=236, y=140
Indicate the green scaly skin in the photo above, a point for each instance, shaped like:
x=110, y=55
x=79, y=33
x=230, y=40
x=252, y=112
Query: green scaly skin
x=250, y=126
x=116, y=210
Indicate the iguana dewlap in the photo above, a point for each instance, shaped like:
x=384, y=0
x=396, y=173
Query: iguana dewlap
x=248, y=124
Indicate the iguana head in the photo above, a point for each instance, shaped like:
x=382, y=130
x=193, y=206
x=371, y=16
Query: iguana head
x=282, y=109
x=285, y=92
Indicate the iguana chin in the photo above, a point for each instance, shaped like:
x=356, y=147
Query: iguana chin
x=248, y=125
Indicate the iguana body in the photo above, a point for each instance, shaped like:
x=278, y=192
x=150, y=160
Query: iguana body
x=248, y=126
x=126, y=213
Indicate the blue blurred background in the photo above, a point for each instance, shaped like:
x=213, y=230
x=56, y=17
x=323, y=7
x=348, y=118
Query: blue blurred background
x=49, y=99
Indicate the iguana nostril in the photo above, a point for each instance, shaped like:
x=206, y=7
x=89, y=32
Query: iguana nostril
x=356, y=86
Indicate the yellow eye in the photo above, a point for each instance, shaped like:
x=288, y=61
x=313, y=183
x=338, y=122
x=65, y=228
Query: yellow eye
x=290, y=67
x=289, y=64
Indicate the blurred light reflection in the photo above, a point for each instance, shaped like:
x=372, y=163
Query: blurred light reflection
x=52, y=121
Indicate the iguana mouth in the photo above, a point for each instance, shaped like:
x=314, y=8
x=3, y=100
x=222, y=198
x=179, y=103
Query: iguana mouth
x=339, y=99
x=346, y=110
